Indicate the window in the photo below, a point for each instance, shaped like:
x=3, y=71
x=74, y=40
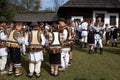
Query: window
x=112, y=20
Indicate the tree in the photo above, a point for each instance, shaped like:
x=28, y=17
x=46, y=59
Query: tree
x=57, y=4
x=29, y=5
x=7, y=12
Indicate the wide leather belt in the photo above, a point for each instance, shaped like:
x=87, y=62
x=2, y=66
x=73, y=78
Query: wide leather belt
x=65, y=51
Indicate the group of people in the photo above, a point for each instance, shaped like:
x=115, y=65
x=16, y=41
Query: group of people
x=17, y=38
x=92, y=32
x=57, y=39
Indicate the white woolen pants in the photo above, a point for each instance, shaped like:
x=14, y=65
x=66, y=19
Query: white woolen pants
x=84, y=39
x=99, y=41
x=3, y=61
x=64, y=59
x=35, y=67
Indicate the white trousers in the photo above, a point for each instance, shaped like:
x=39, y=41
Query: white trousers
x=35, y=67
x=84, y=39
x=3, y=61
x=23, y=48
x=99, y=41
x=36, y=56
x=64, y=58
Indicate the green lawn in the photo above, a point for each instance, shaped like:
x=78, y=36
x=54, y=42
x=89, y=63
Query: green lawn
x=84, y=66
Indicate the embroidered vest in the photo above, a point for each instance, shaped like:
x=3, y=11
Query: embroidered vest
x=55, y=39
x=12, y=39
x=69, y=41
x=35, y=40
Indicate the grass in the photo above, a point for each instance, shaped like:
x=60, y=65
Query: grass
x=84, y=66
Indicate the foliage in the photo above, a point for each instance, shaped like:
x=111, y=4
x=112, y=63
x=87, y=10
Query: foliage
x=6, y=11
x=29, y=5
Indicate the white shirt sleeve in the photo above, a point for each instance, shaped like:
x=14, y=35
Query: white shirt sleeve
x=3, y=36
x=43, y=39
x=26, y=39
x=65, y=33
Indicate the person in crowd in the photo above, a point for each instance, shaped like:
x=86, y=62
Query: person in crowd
x=84, y=34
x=91, y=32
x=107, y=34
x=98, y=34
x=114, y=35
x=36, y=43
x=3, y=49
x=69, y=23
x=15, y=39
x=55, y=38
x=66, y=44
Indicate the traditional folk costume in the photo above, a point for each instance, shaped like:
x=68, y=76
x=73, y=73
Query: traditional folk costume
x=55, y=39
x=66, y=46
x=114, y=35
x=3, y=51
x=84, y=34
x=72, y=38
x=91, y=39
x=25, y=42
x=36, y=44
x=107, y=35
x=98, y=37
x=15, y=39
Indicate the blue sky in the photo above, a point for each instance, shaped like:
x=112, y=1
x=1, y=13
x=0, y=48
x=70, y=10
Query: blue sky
x=49, y=4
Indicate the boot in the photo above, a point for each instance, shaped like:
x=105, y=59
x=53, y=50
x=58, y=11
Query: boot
x=115, y=44
x=112, y=44
x=101, y=51
x=81, y=44
x=96, y=50
x=90, y=51
x=85, y=45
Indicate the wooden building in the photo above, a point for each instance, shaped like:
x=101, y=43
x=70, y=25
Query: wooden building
x=109, y=10
x=36, y=17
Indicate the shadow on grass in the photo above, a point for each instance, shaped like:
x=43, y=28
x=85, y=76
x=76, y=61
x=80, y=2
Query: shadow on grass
x=80, y=79
x=83, y=50
x=112, y=50
x=86, y=79
x=45, y=64
x=25, y=63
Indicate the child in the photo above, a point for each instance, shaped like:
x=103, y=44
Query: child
x=3, y=49
x=14, y=42
x=36, y=43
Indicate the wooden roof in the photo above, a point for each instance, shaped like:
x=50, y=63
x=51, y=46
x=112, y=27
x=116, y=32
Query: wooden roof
x=93, y=3
x=35, y=17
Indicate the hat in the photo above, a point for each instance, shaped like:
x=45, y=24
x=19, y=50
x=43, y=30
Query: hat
x=62, y=19
x=34, y=24
x=19, y=23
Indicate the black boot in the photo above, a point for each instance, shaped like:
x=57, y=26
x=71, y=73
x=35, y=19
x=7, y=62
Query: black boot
x=85, y=45
x=115, y=44
x=95, y=50
x=90, y=51
x=112, y=44
x=101, y=51
x=81, y=44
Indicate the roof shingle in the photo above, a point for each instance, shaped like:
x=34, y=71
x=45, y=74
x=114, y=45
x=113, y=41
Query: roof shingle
x=93, y=3
x=35, y=17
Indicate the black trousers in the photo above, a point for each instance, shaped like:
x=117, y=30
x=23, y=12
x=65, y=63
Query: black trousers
x=15, y=56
